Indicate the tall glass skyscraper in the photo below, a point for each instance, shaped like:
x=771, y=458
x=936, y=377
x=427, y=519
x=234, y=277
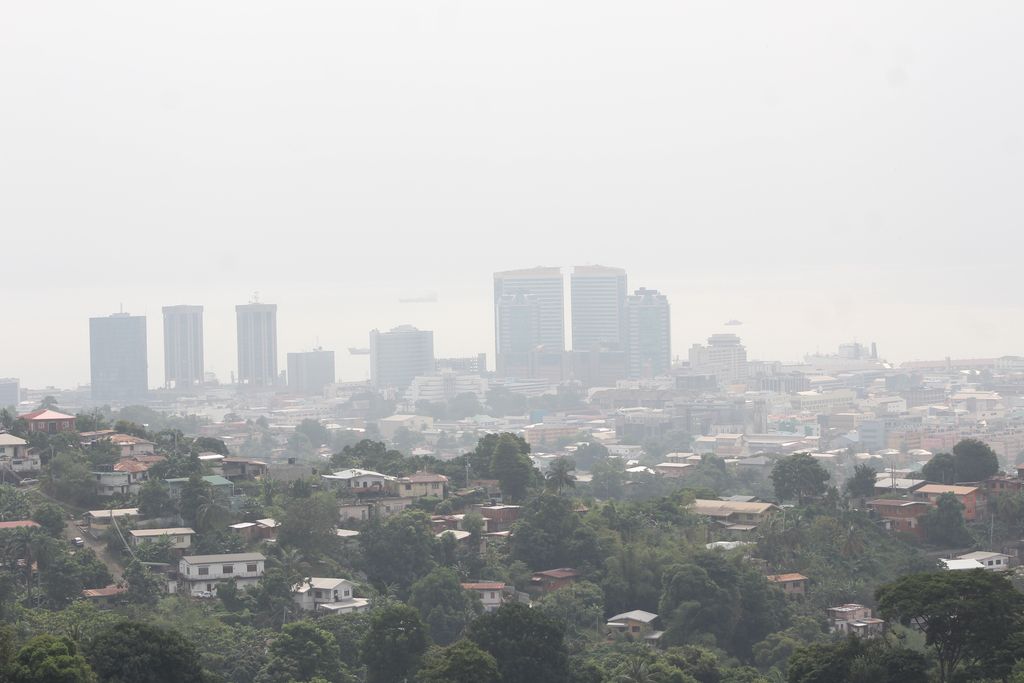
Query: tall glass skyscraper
x=257, y=344
x=119, y=369
x=598, y=299
x=183, y=346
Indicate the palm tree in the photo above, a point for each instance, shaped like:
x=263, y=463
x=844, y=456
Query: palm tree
x=26, y=544
x=560, y=476
x=291, y=562
x=210, y=512
x=634, y=670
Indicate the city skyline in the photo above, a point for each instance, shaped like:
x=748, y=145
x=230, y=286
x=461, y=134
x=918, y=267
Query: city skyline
x=697, y=315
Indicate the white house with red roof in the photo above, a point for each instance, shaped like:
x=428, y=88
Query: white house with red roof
x=493, y=594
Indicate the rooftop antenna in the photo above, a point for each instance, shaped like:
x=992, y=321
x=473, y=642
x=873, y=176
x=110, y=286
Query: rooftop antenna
x=255, y=298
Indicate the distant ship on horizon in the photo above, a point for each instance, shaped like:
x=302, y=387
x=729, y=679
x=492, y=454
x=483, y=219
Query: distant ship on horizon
x=428, y=298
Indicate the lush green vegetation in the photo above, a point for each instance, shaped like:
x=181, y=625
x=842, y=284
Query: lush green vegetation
x=631, y=537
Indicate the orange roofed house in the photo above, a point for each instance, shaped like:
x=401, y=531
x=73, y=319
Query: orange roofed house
x=553, y=579
x=791, y=584
x=899, y=514
x=969, y=496
x=48, y=421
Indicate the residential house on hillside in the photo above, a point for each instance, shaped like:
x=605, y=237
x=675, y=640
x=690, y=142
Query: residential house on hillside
x=969, y=496
x=129, y=445
x=200, y=574
x=359, y=482
x=791, y=584
x=222, y=487
x=124, y=477
x=553, y=579
x=499, y=517
x=493, y=594
x=741, y=518
x=48, y=421
x=901, y=515
x=994, y=562
x=180, y=537
x=422, y=484
x=101, y=520
x=16, y=456
x=237, y=469
x=856, y=619
x=328, y=594
x=636, y=623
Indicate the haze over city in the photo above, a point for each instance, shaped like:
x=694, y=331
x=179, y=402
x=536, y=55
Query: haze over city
x=821, y=174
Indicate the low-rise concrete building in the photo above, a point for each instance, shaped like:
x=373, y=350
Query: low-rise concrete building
x=200, y=574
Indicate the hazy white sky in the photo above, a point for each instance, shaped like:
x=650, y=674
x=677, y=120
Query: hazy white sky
x=821, y=171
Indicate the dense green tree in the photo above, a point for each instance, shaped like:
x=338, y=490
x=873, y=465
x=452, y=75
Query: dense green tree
x=14, y=503
x=974, y=461
x=856, y=660
x=144, y=587
x=208, y=444
x=550, y=534
x=940, y=469
x=315, y=432
x=308, y=524
x=306, y=652
x=502, y=402
x=154, y=499
x=966, y=616
x=560, y=475
x=579, y=607
x=528, y=646
x=798, y=476
x=445, y=607
x=398, y=551
x=68, y=478
x=698, y=601
x=194, y=494
x=348, y=631
x=394, y=644
x=944, y=524
x=50, y=659
x=511, y=466
x=464, y=405
x=134, y=652
x=50, y=517
x=463, y=662
x=862, y=483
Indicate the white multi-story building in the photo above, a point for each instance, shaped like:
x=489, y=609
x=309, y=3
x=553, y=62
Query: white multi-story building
x=329, y=595
x=493, y=594
x=445, y=386
x=198, y=574
x=725, y=357
x=16, y=456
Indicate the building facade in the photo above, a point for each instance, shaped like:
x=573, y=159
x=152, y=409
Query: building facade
x=309, y=372
x=10, y=392
x=257, y=344
x=546, y=286
x=119, y=368
x=648, y=334
x=396, y=357
x=183, y=346
x=598, y=300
